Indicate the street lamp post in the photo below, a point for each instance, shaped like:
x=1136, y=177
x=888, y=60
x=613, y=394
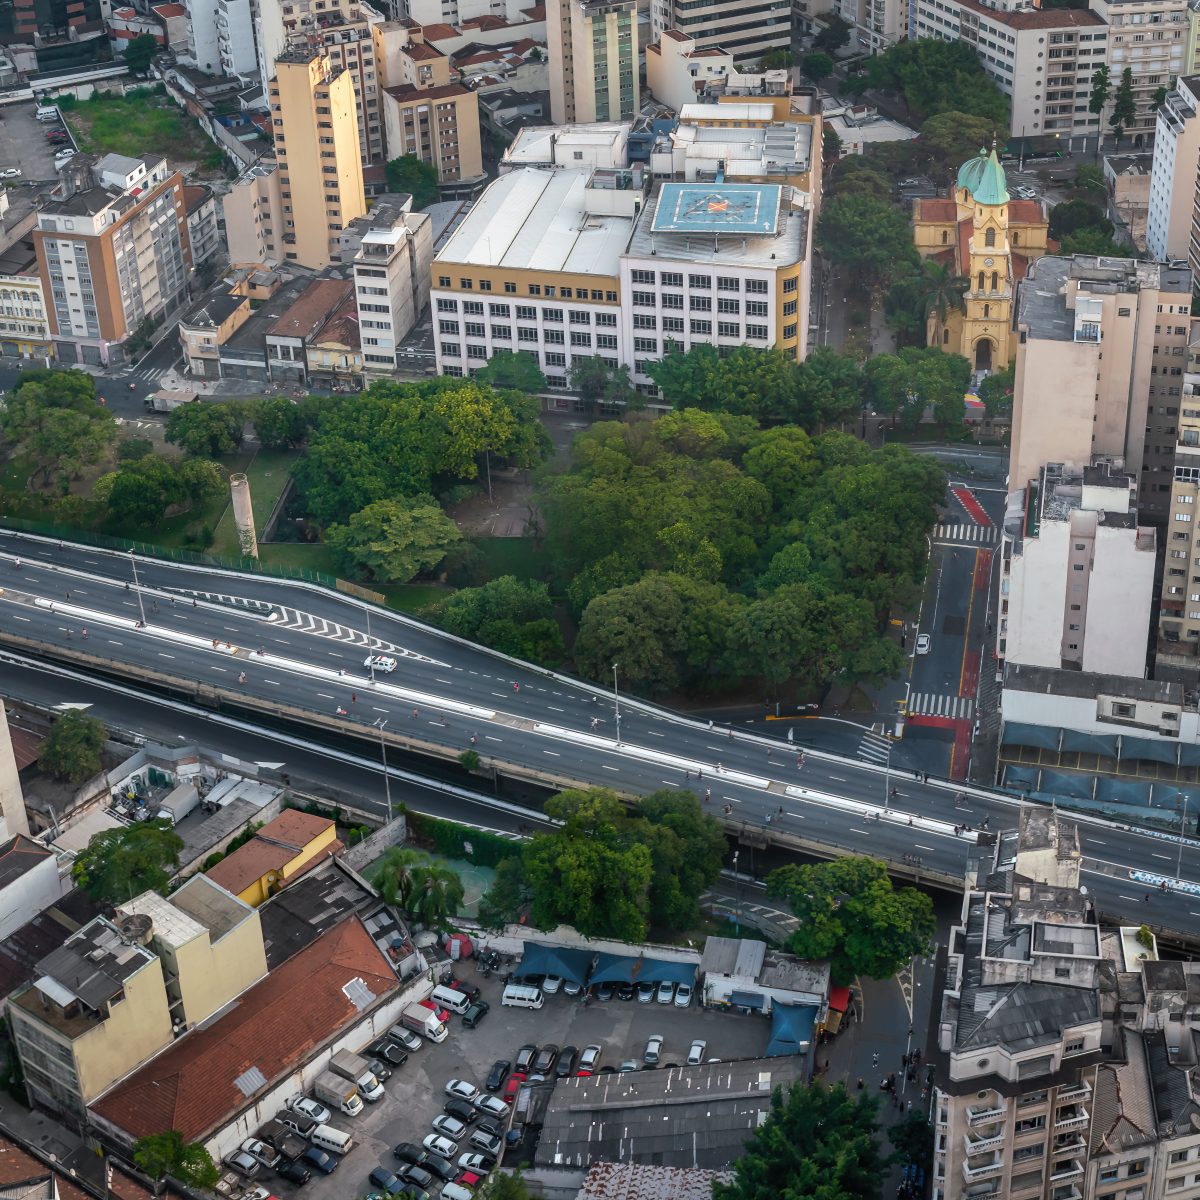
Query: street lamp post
x=137, y=588
x=617, y=703
x=1182, y=835
x=387, y=783
x=887, y=779
x=737, y=889
x=370, y=649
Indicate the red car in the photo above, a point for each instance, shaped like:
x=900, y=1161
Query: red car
x=512, y=1086
x=442, y=1014
x=469, y=1180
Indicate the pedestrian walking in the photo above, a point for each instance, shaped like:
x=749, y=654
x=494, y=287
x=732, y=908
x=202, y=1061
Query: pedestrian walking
x=710, y=724
x=780, y=807
x=84, y=631
x=516, y=687
x=353, y=697
x=707, y=795
x=67, y=594
x=875, y=1059
x=860, y=1083
x=341, y=712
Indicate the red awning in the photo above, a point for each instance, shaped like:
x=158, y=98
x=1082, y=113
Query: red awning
x=839, y=998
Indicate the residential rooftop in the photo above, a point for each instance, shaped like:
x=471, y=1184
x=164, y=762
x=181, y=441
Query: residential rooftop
x=18, y=856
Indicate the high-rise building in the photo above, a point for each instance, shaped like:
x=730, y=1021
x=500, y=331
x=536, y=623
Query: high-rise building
x=221, y=37
x=593, y=48
x=678, y=71
x=876, y=24
x=1175, y=172
x=317, y=147
x=440, y=126
x=1101, y=352
x=746, y=33
x=113, y=252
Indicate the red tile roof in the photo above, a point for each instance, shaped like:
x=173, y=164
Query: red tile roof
x=27, y=746
x=248, y=864
x=437, y=33
x=487, y=21
x=419, y=52
x=407, y=94
x=1050, y=18
x=935, y=208
x=20, y=1170
x=1025, y=212
x=295, y=828
x=274, y=1027
x=170, y=10
x=536, y=13
x=675, y=35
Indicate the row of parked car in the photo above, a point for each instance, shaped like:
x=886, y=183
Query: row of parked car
x=679, y=994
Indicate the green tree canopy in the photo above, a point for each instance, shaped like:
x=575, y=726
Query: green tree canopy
x=393, y=540
x=1124, y=110
x=1093, y=240
x=600, y=384
x=139, y=493
x=279, y=423
x=831, y=147
x=207, y=429
x=119, y=864
x=510, y=615
x=907, y=383
x=996, y=391
x=75, y=748
x=140, y=53
x=833, y=34
x=1077, y=214
x=163, y=1154
x=950, y=138
x=850, y=913
x=816, y=67
x=409, y=174
x=868, y=237
x=935, y=76
x=817, y=1143
x=859, y=174
x=512, y=369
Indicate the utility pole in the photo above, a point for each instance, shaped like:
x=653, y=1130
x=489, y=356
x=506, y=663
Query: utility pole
x=137, y=588
x=387, y=783
x=617, y=703
x=1182, y=835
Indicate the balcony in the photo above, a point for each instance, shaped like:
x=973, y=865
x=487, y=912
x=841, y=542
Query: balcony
x=1071, y=1170
x=1080, y=1091
x=983, y=1145
x=978, y=1116
x=983, y=1171
x=986, y=1194
x=1069, y=1145
x=1069, y=1192
x=1072, y=1119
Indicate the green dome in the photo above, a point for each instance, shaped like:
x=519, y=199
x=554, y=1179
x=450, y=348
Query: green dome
x=983, y=177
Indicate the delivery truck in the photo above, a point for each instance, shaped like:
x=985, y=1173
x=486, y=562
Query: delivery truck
x=338, y=1093
x=178, y=802
x=423, y=1021
x=353, y=1067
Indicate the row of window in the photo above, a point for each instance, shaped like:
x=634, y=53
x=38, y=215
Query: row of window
x=551, y=291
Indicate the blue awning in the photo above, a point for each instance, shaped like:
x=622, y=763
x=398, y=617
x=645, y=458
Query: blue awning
x=746, y=999
x=1149, y=750
x=614, y=968
x=1089, y=743
x=1189, y=755
x=657, y=970
x=537, y=958
x=1017, y=733
x=791, y=1029
x=1064, y=783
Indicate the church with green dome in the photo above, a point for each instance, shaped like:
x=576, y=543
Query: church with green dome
x=989, y=239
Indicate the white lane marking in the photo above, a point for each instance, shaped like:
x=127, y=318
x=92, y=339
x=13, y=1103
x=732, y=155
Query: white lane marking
x=222, y=669
x=487, y=737
x=20, y=618
x=553, y=709
x=918, y=846
x=112, y=643
x=552, y=753
x=380, y=710
x=162, y=655
x=335, y=654
x=733, y=799
x=608, y=768
x=1165, y=857
x=325, y=695
x=838, y=779
x=864, y=832
x=272, y=681
x=655, y=733
x=91, y=562
x=1134, y=899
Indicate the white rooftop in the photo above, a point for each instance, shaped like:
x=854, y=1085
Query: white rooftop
x=534, y=145
x=171, y=924
x=726, y=112
x=538, y=219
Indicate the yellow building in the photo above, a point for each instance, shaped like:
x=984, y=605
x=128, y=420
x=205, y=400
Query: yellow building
x=281, y=849
x=985, y=236
x=316, y=143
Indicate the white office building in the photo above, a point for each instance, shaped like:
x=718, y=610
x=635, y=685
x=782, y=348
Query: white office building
x=1174, y=173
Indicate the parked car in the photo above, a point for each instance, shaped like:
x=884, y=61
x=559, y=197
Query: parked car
x=307, y=1107
x=243, y=1163
x=524, y=1059
x=475, y=1014
x=460, y=985
x=498, y=1074
x=653, y=1053
x=11, y=173
x=513, y=1085
x=546, y=1058
x=571, y=988
x=379, y=1069
x=405, y=1038
x=320, y=1160
x=666, y=992
x=551, y=984
x=486, y=1141
x=625, y=991
x=629, y=1064
x=481, y=1164
x=566, y=1061
x=590, y=1058
x=492, y=1106
x=407, y=1152
x=383, y=1179
x=412, y=1173
x=683, y=995
x=645, y=992
x=296, y=1122
x=435, y=1164
x=469, y=1180
x=387, y=1051
x=263, y=1154
x=447, y=1126
x=293, y=1172
x=460, y=1110
x=696, y=1053
x=460, y=1089
x=440, y=1144
x=604, y=991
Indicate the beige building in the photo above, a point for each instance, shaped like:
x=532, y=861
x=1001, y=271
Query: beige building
x=1127, y=178
x=440, y=126
x=1099, y=370
x=1174, y=172
x=252, y=208
x=876, y=24
x=24, y=320
x=678, y=72
x=593, y=48
x=1077, y=578
x=113, y=252
x=746, y=33
x=316, y=144
x=117, y=992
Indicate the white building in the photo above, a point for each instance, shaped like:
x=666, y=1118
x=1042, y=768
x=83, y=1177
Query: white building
x=573, y=147
x=1174, y=173
x=746, y=33
x=677, y=72
x=236, y=43
x=1080, y=578
x=877, y=24
x=1043, y=60
x=29, y=882
x=456, y=12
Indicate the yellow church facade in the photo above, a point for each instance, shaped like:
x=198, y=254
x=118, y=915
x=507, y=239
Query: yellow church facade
x=982, y=234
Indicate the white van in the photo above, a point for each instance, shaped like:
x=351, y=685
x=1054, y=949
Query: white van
x=325, y=1137
x=46, y=113
x=456, y=1002
x=521, y=995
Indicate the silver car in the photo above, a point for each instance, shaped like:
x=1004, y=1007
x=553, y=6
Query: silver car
x=653, y=1050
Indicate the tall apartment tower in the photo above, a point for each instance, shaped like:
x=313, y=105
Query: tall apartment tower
x=746, y=33
x=317, y=147
x=1175, y=171
x=1101, y=354
x=593, y=47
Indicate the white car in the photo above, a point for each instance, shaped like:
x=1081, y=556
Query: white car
x=441, y=1146
x=460, y=1089
x=380, y=662
x=551, y=984
x=683, y=995
x=924, y=644
x=653, y=1050
x=480, y=1164
x=666, y=992
x=590, y=1057
x=11, y=173
x=493, y=1106
x=307, y=1107
x=696, y=1053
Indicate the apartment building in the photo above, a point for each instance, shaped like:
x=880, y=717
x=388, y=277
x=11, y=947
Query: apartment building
x=203, y=232
x=877, y=24
x=1069, y=1048
x=678, y=71
x=1150, y=37
x=746, y=33
x=316, y=140
x=593, y=48
x=24, y=321
x=253, y=210
x=344, y=30
x=440, y=126
x=287, y=341
x=1077, y=574
x=117, y=992
x=113, y=251
x=221, y=39
x=1043, y=60
x=1174, y=172
x=1101, y=353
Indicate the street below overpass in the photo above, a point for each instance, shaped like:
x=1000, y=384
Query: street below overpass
x=273, y=652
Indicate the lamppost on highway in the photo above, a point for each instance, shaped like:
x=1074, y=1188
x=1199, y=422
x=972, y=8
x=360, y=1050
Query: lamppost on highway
x=371, y=653
x=1182, y=835
x=737, y=891
x=387, y=783
x=137, y=588
x=617, y=703
x=887, y=777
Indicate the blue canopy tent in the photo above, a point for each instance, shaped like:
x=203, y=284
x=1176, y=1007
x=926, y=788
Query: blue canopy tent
x=1149, y=750
x=618, y=968
x=657, y=970
x=1017, y=733
x=1089, y=743
x=539, y=959
x=615, y=968
x=1064, y=784
x=791, y=1029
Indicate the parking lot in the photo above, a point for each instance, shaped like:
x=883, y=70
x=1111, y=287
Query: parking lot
x=23, y=144
x=416, y=1090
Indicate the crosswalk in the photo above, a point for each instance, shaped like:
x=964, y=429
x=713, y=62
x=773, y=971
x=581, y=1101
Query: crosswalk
x=939, y=704
x=964, y=533
x=282, y=617
x=874, y=747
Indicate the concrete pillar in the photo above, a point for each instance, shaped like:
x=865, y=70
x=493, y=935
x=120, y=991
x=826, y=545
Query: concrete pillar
x=12, y=799
x=243, y=515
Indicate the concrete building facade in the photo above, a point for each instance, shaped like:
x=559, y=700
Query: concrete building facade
x=593, y=48
x=678, y=71
x=746, y=32
x=440, y=126
x=1174, y=172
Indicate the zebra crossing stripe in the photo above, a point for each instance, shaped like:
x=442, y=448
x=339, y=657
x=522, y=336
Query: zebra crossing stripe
x=931, y=704
x=964, y=533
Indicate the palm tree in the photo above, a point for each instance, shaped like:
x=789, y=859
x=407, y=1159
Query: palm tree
x=396, y=874
x=437, y=892
x=941, y=291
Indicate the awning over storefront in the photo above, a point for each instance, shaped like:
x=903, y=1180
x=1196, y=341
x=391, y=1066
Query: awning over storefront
x=746, y=999
x=537, y=958
x=791, y=1029
x=839, y=999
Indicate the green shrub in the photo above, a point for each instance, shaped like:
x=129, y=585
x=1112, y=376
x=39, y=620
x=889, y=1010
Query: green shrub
x=449, y=839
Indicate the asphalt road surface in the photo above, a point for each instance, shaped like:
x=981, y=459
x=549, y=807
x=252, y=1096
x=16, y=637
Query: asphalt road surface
x=273, y=643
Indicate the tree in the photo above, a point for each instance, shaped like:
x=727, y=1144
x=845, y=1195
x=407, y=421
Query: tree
x=687, y=847
x=1158, y=99
x=393, y=540
x=934, y=77
x=858, y=173
x=777, y=59
x=1089, y=177
x=207, y=430
x=437, y=893
x=395, y=874
x=510, y=615
x=833, y=34
x=850, y=914
x=915, y=380
x=867, y=237
x=409, y=174
x=1077, y=214
x=279, y=423
x=817, y=67
x=75, y=748
x=163, y=1154
x=119, y=864
x=53, y=417
x=912, y=1139
x=1101, y=87
x=943, y=290
x=996, y=391
x=817, y=1143
x=501, y=1186
x=951, y=138
x=1093, y=240
x=1124, y=112
x=140, y=53
x=831, y=147
x=519, y=370
x=598, y=383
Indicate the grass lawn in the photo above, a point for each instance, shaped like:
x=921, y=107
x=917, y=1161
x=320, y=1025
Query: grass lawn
x=137, y=125
x=302, y=556
x=268, y=475
x=412, y=597
x=511, y=556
